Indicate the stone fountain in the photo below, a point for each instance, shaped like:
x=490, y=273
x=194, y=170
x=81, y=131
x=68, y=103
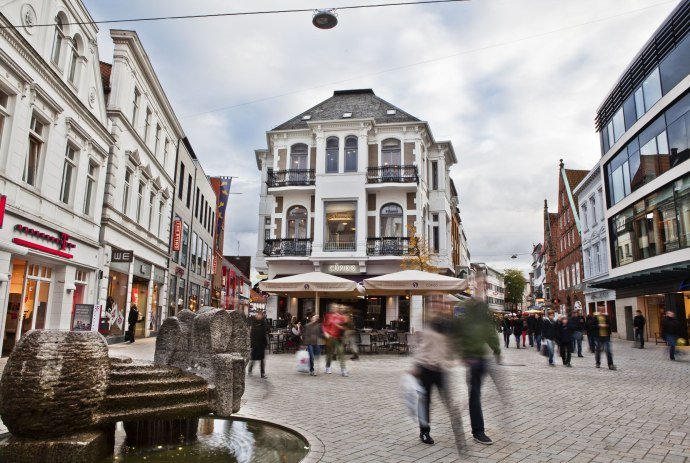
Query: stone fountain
x=61, y=394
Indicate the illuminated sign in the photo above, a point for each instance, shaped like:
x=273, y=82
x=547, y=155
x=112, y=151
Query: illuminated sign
x=177, y=235
x=60, y=239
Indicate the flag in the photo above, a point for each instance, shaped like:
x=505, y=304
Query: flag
x=223, y=194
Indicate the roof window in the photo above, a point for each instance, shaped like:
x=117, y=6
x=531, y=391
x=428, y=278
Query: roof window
x=391, y=112
x=347, y=115
x=306, y=117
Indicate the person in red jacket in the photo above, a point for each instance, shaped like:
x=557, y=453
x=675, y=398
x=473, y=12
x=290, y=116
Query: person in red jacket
x=334, y=325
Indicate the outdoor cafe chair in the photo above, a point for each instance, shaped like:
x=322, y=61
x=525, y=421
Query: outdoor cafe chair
x=365, y=341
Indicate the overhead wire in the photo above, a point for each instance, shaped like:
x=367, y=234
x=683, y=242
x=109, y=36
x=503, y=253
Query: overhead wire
x=240, y=13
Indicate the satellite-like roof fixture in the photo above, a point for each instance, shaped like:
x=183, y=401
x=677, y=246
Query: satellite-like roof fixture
x=325, y=19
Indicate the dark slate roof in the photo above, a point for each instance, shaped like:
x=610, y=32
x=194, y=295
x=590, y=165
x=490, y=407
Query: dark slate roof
x=363, y=104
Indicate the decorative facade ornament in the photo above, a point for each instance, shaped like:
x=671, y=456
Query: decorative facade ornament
x=92, y=97
x=28, y=17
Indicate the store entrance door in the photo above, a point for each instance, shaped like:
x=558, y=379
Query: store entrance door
x=140, y=297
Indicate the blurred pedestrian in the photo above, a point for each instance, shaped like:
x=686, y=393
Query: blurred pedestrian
x=258, y=342
x=472, y=333
x=132, y=319
x=531, y=323
x=333, y=328
x=670, y=331
x=295, y=328
x=525, y=328
x=351, y=336
x=312, y=335
x=517, y=331
x=565, y=334
x=603, y=331
x=638, y=324
x=507, y=330
x=538, y=323
x=548, y=331
x=577, y=324
x=591, y=329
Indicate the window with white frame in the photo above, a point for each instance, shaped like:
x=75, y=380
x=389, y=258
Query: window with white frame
x=140, y=199
x=332, y=152
x=390, y=152
x=37, y=135
x=147, y=124
x=152, y=197
x=351, y=154
x=585, y=222
x=587, y=258
x=157, y=140
x=596, y=266
x=603, y=259
x=68, y=170
x=4, y=112
x=577, y=272
x=161, y=207
x=135, y=106
x=126, y=189
x=593, y=206
x=91, y=176
x=73, y=60
x=57, y=40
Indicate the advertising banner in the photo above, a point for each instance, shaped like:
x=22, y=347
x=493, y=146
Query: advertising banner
x=82, y=319
x=177, y=235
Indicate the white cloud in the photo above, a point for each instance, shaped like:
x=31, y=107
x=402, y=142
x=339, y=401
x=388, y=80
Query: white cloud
x=513, y=100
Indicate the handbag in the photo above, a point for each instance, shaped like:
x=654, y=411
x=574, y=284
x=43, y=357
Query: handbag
x=411, y=392
x=302, y=359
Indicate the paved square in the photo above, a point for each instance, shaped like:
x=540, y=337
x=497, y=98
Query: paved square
x=639, y=413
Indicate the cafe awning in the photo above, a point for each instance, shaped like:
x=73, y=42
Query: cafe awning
x=413, y=282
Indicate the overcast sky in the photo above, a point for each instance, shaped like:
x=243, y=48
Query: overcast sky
x=513, y=84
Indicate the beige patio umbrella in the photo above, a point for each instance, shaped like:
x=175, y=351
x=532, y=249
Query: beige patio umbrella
x=312, y=284
x=414, y=283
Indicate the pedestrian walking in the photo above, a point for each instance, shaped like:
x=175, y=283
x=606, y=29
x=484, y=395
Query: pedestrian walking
x=538, y=323
x=258, y=342
x=507, y=330
x=132, y=319
x=472, y=333
x=603, y=331
x=295, y=328
x=517, y=331
x=577, y=325
x=671, y=331
x=351, y=337
x=312, y=334
x=531, y=324
x=591, y=329
x=638, y=324
x=525, y=328
x=333, y=328
x=549, y=333
x=565, y=334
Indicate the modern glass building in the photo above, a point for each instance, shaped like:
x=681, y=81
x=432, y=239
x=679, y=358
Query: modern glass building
x=644, y=125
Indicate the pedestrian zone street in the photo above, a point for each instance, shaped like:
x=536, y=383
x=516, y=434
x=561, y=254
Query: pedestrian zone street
x=638, y=413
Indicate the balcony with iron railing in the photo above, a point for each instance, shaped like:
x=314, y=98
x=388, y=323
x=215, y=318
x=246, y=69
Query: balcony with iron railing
x=300, y=247
x=339, y=245
x=290, y=177
x=393, y=174
x=389, y=246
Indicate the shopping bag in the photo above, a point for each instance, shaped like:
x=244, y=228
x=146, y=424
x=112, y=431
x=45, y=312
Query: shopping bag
x=302, y=358
x=412, y=392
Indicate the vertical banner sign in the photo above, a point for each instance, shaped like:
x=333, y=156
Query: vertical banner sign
x=222, y=202
x=177, y=235
x=96, y=317
x=215, y=264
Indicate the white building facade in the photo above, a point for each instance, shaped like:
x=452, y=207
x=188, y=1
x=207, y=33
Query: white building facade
x=494, y=289
x=53, y=131
x=344, y=185
x=594, y=239
x=139, y=189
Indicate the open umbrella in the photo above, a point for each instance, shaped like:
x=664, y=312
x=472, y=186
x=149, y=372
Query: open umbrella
x=311, y=285
x=413, y=282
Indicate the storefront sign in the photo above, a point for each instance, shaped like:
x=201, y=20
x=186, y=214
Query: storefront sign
x=96, y=317
x=142, y=269
x=61, y=240
x=177, y=235
x=215, y=264
x=122, y=256
x=83, y=316
x=346, y=269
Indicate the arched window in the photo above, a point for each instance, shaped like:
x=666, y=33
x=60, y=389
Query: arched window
x=73, y=58
x=351, y=154
x=390, y=152
x=391, y=221
x=296, y=223
x=298, y=156
x=57, y=39
x=332, y=151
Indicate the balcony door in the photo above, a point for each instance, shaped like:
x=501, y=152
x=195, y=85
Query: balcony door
x=296, y=231
x=299, y=162
x=390, y=159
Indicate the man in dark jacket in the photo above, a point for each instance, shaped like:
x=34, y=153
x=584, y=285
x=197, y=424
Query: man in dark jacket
x=531, y=323
x=670, y=331
x=638, y=324
x=538, y=322
x=577, y=325
x=564, y=332
x=603, y=331
x=548, y=331
x=591, y=329
x=507, y=327
x=258, y=341
x=517, y=331
x=132, y=319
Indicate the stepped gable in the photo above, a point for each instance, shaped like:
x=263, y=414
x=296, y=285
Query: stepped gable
x=362, y=103
x=213, y=344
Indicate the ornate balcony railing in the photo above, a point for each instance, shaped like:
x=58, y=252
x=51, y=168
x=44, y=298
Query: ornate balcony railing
x=287, y=247
x=389, y=246
x=394, y=174
x=339, y=246
x=290, y=177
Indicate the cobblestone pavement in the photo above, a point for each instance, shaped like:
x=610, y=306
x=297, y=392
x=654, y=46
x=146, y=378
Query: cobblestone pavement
x=639, y=413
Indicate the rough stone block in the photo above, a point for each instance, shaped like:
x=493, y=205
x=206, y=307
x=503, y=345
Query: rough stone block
x=85, y=447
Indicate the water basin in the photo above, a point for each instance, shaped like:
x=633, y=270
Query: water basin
x=219, y=440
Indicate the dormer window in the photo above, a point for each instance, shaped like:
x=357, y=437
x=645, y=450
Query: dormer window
x=306, y=117
x=391, y=112
x=347, y=115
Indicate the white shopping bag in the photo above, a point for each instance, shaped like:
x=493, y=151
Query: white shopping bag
x=302, y=357
x=412, y=392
